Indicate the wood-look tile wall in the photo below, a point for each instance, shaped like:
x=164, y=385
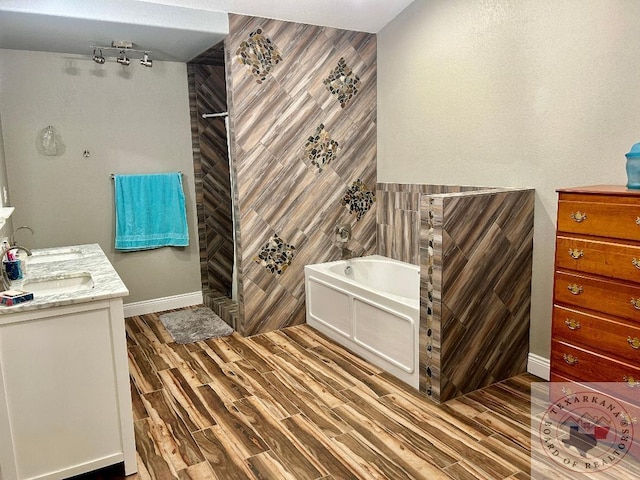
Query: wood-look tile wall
x=273, y=114
x=211, y=167
x=474, y=247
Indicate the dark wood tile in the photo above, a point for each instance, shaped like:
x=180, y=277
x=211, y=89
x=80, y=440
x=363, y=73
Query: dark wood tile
x=226, y=386
x=236, y=426
x=142, y=372
x=169, y=431
x=152, y=458
x=185, y=401
x=383, y=441
x=293, y=405
x=181, y=357
x=284, y=445
x=221, y=454
x=139, y=412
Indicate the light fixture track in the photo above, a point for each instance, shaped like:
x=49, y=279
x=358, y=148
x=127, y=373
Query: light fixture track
x=123, y=49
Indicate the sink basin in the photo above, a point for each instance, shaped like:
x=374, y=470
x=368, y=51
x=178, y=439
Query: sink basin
x=55, y=285
x=54, y=256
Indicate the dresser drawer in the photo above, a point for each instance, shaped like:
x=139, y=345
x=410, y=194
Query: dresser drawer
x=606, y=296
x=577, y=396
x=585, y=366
x=600, y=219
x=560, y=388
x=616, y=337
x=610, y=259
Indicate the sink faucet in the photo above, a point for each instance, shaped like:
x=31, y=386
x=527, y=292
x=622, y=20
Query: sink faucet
x=12, y=238
x=6, y=283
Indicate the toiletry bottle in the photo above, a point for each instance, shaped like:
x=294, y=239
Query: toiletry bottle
x=5, y=252
x=19, y=255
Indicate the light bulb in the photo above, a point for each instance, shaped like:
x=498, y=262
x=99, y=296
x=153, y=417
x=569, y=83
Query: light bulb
x=146, y=61
x=98, y=58
x=122, y=59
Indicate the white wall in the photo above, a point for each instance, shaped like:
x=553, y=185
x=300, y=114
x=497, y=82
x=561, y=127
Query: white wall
x=531, y=93
x=131, y=120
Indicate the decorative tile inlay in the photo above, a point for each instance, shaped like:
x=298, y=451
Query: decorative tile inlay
x=259, y=53
x=429, y=300
x=343, y=83
x=358, y=198
x=320, y=148
x=276, y=256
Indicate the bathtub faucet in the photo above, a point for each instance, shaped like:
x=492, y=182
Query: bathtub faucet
x=344, y=233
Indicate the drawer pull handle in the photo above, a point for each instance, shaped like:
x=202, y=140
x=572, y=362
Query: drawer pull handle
x=631, y=382
x=578, y=216
x=572, y=324
x=634, y=342
x=636, y=263
x=636, y=303
x=570, y=359
x=576, y=289
x=576, y=254
x=637, y=220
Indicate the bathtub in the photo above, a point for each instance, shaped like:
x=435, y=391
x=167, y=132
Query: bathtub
x=369, y=305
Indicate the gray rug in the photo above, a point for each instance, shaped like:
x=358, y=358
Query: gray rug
x=194, y=325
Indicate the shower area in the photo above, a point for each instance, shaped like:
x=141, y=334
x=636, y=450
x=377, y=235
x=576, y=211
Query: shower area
x=302, y=116
x=209, y=136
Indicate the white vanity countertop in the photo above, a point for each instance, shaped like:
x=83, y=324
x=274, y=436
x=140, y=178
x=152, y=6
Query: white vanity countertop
x=106, y=282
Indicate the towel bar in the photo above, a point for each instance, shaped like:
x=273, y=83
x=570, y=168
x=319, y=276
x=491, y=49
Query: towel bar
x=113, y=174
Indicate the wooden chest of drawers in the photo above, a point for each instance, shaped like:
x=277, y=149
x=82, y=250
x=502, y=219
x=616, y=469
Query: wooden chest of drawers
x=596, y=311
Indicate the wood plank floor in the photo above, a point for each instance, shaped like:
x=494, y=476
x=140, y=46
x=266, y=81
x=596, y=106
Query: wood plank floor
x=293, y=405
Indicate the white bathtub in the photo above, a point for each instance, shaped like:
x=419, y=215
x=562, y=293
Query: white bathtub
x=369, y=305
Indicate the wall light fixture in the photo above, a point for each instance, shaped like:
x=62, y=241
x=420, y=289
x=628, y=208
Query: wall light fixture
x=146, y=61
x=97, y=57
x=123, y=59
x=122, y=51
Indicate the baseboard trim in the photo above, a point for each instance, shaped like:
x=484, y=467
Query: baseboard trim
x=539, y=366
x=160, y=304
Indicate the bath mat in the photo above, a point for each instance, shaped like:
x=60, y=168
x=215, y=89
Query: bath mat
x=194, y=325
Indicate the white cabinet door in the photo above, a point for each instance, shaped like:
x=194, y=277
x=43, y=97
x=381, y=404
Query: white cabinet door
x=61, y=393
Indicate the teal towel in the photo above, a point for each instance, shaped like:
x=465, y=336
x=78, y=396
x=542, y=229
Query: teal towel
x=150, y=211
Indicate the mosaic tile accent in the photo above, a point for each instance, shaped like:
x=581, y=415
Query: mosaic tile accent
x=343, y=83
x=259, y=53
x=429, y=300
x=276, y=256
x=358, y=198
x=320, y=148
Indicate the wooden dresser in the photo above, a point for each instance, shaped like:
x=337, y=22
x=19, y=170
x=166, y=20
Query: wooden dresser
x=596, y=298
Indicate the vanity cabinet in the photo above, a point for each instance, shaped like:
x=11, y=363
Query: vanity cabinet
x=65, y=404
x=596, y=299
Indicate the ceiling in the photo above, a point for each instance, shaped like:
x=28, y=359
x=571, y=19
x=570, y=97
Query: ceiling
x=174, y=30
